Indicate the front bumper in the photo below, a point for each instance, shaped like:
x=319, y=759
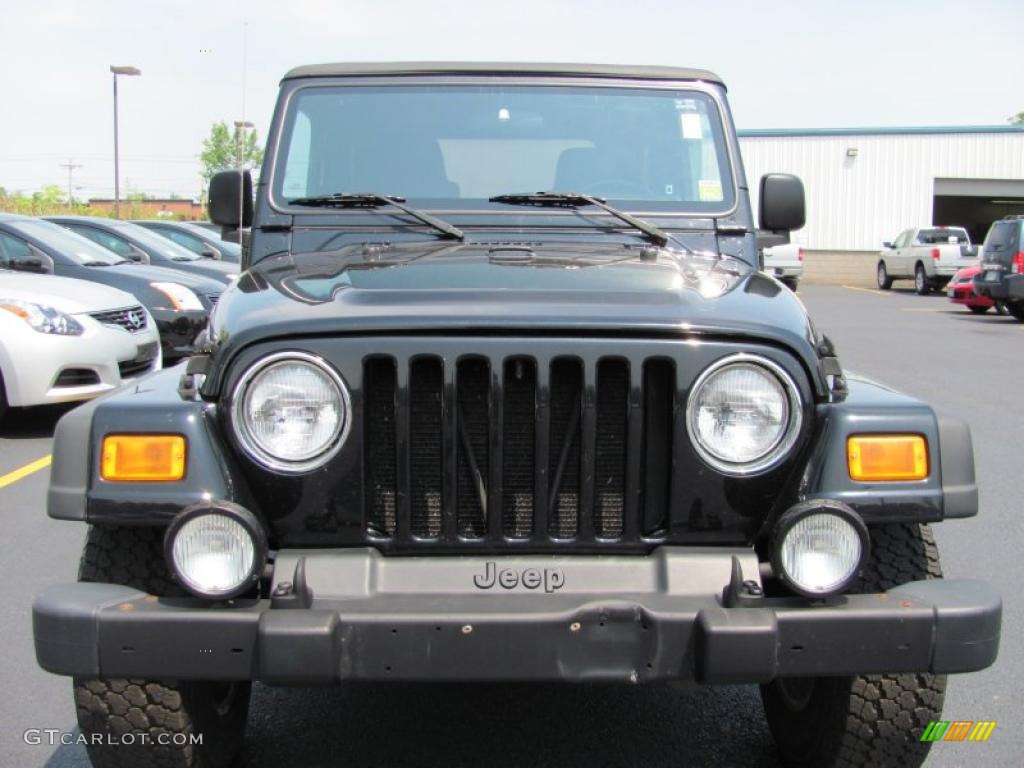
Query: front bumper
x=354, y=614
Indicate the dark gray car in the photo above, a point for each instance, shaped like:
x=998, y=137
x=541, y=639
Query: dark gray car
x=136, y=243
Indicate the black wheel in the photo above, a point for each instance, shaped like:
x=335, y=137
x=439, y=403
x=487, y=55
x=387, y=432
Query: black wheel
x=884, y=281
x=978, y=310
x=1016, y=308
x=180, y=724
x=790, y=282
x=921, y=283
x=868, y=720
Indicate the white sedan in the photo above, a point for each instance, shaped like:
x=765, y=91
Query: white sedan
x=63, y=340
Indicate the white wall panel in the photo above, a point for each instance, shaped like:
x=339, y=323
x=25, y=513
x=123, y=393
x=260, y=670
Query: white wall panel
x=854, y=203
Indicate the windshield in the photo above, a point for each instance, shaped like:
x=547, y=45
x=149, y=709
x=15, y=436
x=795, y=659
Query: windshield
x=456, y=146
x=75, y=247
x=170, y=250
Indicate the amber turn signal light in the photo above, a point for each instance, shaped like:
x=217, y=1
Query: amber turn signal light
x=874, y=458
x=143, y=458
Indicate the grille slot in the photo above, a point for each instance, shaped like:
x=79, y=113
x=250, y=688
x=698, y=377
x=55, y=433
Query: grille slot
x=518, y=438
x=482, y=451
x=659, y=405
x=564, y=447
x=472, y=402
x=610, y=453
x=426, y=414
x=380, y=457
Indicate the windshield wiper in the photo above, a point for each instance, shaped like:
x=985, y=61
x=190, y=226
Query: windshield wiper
x=99, y=263
x=373, y=200
x=578, y=200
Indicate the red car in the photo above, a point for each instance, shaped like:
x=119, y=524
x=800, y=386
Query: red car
x=961, y=291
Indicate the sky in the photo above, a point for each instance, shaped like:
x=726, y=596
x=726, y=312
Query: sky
x=787, y=64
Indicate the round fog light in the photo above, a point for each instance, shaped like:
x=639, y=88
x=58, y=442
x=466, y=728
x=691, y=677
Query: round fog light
x=216, y=551
x=820, y=548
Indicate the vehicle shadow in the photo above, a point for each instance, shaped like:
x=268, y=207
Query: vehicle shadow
x=498, y=726
x=33, y=423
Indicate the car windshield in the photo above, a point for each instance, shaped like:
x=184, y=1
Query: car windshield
x=169, y=249
x=942, y=236
x=205, y=234
x=454, y=146
x=75, y=247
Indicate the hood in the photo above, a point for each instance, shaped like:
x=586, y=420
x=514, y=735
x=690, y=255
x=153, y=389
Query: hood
x=513, y=289
x=64, y=294
x=151, y=274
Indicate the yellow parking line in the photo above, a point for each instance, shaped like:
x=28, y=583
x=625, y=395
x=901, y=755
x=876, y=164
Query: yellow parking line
x=12, y=477
x=867, y=290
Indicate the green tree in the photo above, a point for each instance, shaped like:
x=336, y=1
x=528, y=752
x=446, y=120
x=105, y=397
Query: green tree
x=224, y=149
x=1018, y=119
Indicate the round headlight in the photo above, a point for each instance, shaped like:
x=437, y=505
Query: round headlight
x=291, y=411
x=820, y=548
x=743, y=415
x=216, y=551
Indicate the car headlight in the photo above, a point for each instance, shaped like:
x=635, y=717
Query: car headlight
x=216, y=550
x=820, y=548
x=43, y=318
x=180, y=296
x=291, y=411
x=743, y=414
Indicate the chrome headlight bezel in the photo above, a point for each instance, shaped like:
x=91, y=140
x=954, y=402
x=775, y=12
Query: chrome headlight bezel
x=252, y=447
x=783, y=445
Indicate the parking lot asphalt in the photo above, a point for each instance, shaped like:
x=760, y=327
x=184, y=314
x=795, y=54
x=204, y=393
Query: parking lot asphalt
x=969, y=366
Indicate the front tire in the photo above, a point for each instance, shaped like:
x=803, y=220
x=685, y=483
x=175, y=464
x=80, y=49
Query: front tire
x=921, y=283
x=180, y=724
x=867, y=720
x=882, y=275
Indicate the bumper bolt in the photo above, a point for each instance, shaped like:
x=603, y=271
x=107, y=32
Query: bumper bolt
x=574, y=627
x=282, y=589
x=467, y=629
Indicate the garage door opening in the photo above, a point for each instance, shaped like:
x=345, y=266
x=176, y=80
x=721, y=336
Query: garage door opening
x=976, y=203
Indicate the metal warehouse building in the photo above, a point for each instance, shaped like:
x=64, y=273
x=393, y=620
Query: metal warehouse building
x=866, y=185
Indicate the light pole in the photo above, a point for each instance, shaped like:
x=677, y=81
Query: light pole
x=240, y=128
x=115, y=71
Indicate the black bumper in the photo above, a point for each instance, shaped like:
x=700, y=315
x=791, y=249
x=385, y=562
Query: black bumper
x=1009, y=287
x=361, y=616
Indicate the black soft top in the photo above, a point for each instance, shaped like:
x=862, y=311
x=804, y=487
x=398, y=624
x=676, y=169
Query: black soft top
x=386, y=68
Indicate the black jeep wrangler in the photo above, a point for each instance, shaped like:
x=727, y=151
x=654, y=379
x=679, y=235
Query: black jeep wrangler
x=502, y=396
x=1002, y=265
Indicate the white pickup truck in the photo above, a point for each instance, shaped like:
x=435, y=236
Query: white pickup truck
x=785, y=262
x=929, y=256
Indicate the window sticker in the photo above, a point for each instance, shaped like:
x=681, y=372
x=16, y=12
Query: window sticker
x=691, y=126
x=710, y=191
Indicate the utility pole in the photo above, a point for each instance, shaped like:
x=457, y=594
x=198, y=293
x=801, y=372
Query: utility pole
x=130, y=72
x=71, y=169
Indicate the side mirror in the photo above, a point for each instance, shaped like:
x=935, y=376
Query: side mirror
x=781, y=203
x=888, y=245
x=209, y=252
x=231, y=194
x=36, y=262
